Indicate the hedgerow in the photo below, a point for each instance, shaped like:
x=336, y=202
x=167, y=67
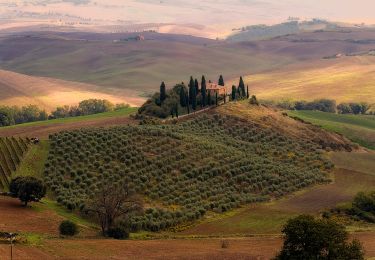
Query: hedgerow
x=210, y=163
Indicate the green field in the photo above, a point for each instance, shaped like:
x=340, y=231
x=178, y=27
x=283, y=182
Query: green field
x=358, y=128
x=118, y=113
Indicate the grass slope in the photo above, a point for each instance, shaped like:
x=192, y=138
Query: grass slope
x=358, y=128
x=48, y=93
x=344, y=79
x=42, y=129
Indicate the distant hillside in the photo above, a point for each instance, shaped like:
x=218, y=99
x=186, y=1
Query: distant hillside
x=48, y=93
x=262, y=31
x=129, y=69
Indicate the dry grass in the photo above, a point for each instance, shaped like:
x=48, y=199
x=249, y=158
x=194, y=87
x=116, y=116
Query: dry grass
x=346, y=79
x=19, y=89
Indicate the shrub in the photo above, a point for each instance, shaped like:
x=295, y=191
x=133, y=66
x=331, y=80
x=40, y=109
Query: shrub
x=68, y=228
x=253, y=100
x=118, y=232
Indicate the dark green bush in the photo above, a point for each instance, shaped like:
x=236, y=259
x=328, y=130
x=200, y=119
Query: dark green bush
x=68, y=228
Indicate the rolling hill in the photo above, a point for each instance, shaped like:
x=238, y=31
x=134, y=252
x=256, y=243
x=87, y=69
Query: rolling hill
x=48, y=93
x=188, y=156
x=293, y=66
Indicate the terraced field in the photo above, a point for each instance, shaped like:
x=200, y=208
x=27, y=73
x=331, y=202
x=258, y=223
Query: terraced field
x=12, y=151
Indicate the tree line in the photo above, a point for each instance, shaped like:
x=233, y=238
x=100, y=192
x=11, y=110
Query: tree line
x=182, y=99
x=12, y=115
x=326, y=105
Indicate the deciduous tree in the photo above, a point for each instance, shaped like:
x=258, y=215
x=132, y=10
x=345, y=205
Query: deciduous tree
x=111, y=202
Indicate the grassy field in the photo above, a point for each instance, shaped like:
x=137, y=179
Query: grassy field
x=42, y=129
x=48, y=93
x=358, y=128
x=345, y=79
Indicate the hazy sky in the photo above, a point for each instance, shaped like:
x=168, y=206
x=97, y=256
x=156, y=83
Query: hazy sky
x=214, y=15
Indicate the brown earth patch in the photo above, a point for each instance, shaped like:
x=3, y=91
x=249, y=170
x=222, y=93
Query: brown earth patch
x=16, y=218
x=258, y=248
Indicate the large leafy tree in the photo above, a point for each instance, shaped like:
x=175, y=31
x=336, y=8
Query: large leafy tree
x=310, y=238
x=111, y=202
x=27, y=189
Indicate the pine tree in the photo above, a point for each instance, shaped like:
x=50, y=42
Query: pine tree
x=191, y=87
x=203, y=91
x=183, y=96
x=221, y=81
x=163, y=94
x=234, y=90
x=247, y=92
x=176, y=110
x=241, y=87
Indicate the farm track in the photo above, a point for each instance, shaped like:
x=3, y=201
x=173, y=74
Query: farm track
x=239, y=248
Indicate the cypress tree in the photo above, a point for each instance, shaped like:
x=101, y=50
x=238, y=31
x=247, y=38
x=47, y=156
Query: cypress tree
x=191, y=87
x=216, y=101
x=209, y=98
x=221, y=81
x=247, y=92
x=203, y=91
x=183, y=96
x=234, y=90
x=176, y=110
x=188, y=105
x=163, y=94
x=196, y=84
x=194, y=98
x=241, y=87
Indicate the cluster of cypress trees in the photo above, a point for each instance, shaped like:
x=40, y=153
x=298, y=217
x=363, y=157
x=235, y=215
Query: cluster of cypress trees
x=196, y=94
x=240, y=92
